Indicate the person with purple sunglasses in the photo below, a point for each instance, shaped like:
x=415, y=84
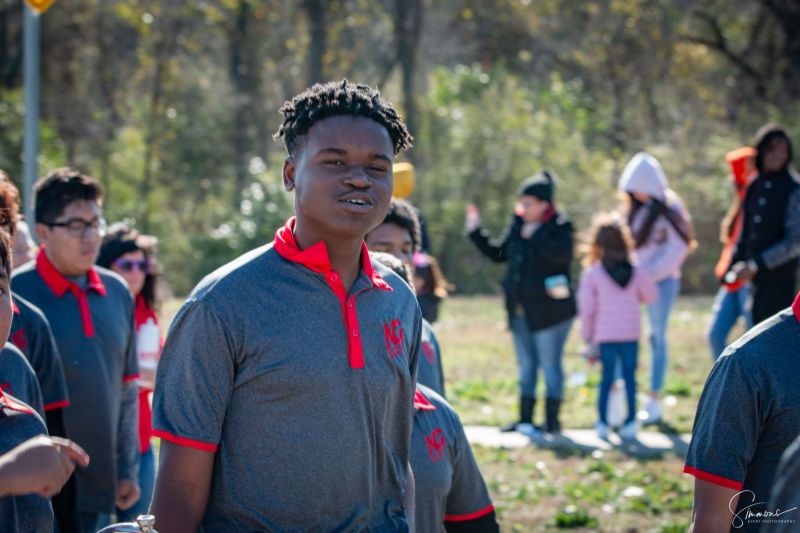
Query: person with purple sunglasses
x=130, y=255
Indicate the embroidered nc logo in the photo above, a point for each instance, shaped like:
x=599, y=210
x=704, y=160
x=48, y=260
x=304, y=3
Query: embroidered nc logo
x=429, y=352
x=435, y=442
x=393, y=334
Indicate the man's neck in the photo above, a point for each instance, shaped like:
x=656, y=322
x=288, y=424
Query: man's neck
x=344, y=254
x=64, y=272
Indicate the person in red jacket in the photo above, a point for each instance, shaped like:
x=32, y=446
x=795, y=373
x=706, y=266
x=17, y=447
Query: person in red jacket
x=131, y=255
x=733, y=298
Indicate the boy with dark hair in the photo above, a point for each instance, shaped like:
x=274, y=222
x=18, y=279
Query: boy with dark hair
x=450, y=491
x=285, y=387
x=748, y=415
x=399, y=235
x=91, y=314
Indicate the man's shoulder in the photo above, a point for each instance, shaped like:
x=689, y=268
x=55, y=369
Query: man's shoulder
x=238, y=276
x=25, y=273
x=28, y=311
x=400, y=289
x=112, y=281
x=763, y=345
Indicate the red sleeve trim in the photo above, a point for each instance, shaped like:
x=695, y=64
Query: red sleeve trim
x=711, y=478
x=183, y=441
x=470, y=516
x=132, y=377
x=56, y=405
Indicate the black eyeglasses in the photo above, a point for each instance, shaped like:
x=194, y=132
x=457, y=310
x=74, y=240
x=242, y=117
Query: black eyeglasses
x=127, y=265
x=77, y=227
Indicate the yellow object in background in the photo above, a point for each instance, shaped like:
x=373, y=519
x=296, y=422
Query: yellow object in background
x=404, y=179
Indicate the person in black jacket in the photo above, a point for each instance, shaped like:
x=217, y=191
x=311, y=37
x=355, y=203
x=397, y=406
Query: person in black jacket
x=538, y=247
x=769, y=245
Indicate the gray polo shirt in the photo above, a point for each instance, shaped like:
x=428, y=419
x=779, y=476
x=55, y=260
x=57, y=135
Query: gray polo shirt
x=18, y=379
x=448, y=484
x=430, y=361
x=303, y=392
x=93, y=328
x=749, y=413
x=31, y=333
x=21, y=514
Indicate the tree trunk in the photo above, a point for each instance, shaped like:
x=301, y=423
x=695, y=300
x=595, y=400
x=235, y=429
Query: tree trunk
x=408, y=25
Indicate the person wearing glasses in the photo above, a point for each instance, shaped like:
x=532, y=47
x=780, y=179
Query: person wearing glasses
x=91, y=314
x=130, y=255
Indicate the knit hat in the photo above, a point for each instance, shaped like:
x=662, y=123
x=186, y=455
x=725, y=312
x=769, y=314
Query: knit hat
x=541, y=185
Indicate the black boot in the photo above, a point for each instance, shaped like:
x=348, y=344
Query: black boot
x=526, y=408
x=552, y=407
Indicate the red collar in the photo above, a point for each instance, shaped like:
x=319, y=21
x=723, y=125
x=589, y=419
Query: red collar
x=421, y=402
x=58, y=283
x=796, y=307
x=12, y=403
x=315, y=257
x=15, y=306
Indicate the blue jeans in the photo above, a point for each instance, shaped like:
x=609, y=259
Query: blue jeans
x=544, y=348
x=728, y=307
x=612, y=356
x=147, y=478
x=658, y=312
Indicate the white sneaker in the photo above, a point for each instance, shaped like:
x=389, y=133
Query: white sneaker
x=628, y=431
x=602, y=430
x=529, y=430
x=651, y=413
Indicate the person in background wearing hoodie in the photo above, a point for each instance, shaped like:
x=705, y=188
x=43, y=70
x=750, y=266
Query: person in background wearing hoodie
x=609, y=295
x=662, y=236
x=538, y=246
x=733, y=299
x=769, y=245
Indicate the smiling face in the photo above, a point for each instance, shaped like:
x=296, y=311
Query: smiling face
x=72, y=254
x=342, y=179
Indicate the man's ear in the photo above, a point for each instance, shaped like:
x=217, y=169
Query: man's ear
x=289, y=169
x=42, y=232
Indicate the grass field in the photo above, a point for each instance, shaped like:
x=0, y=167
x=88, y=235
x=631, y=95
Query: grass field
x=548, y=490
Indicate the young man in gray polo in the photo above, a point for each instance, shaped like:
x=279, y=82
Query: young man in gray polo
x=91, y=315
x=284, y=394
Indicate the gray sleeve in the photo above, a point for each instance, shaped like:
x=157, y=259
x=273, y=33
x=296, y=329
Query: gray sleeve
x=727, y=426
x=195, y=379
x=128, y=433
x=468, y=498
x=788, y=248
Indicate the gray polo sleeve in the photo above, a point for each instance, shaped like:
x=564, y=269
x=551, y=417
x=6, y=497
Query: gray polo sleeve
x=468, y=498
x=128, y=430
x=195, y=379
x=727, y=425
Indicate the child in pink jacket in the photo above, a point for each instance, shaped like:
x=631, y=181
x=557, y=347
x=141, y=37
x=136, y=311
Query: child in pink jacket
x=609, y=295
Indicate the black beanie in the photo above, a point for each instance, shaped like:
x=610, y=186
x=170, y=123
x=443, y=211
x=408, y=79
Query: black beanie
x=540, y=185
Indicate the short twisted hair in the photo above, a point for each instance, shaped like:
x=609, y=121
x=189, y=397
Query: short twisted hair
x=335, y=98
